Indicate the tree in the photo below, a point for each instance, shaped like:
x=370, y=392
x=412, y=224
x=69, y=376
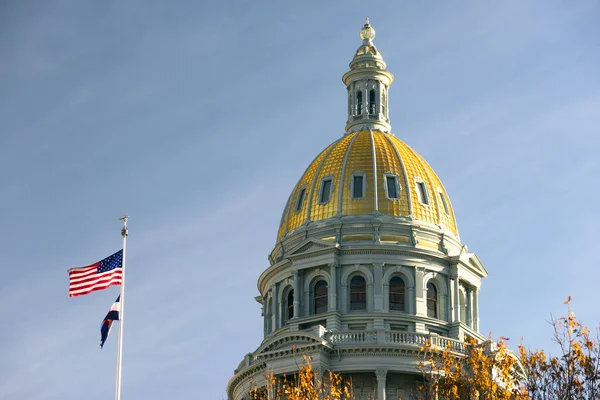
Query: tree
x=490, y=371
x=480, y=370
x=475, y=370
x=306, y=384
x=572, y=375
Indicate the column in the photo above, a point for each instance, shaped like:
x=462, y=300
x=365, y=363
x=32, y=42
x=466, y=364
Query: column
x=264, y=312
x=476, y=309
x=450, y=300
x=370, y=297
x=381, y=374
x=296, y=294
x=411, y=300
x=470, y=302
x=455, y=283
x=420, y=299
x=333, y=270
x=275, y=307
x=421, y=306
x=378, y=287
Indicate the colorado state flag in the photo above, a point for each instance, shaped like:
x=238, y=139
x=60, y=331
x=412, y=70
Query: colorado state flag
x=113, y=315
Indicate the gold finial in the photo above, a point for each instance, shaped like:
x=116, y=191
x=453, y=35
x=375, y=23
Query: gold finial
x=124, y=231
x=367, y=32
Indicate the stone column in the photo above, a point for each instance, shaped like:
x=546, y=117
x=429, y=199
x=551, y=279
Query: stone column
x=470, y=302
x=420, y=305
x=476, y=309
x=296, y=294
x=420, y=298
x=381, y=374
x=270, y=391
x=455, y=283
x=264, y=313
x=275, y=307
x=378, y=287
x=370, y=297
x=344, y=308
x=451, y=304
x=333, y=270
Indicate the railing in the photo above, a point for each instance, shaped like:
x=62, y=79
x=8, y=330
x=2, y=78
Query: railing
x=393, y=337
x=404, y=338
x=353, y=337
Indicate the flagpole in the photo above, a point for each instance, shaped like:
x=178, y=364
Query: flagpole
x=124, y=233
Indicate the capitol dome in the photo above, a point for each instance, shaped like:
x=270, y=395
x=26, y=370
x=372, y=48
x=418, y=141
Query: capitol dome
x=368, y=264
x=368, y=173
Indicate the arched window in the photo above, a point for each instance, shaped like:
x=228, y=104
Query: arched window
x=320, y=297
x=359, y=103
x=289, y=305
x=358, y=293
x=432, y=301
x=372, y=101
x=397, y=294
x=383, y=101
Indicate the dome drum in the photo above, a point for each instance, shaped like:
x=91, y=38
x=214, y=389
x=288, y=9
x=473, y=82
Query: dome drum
x=389, y=231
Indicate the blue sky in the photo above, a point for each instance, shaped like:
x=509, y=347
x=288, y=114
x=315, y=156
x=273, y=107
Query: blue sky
x=197, y=118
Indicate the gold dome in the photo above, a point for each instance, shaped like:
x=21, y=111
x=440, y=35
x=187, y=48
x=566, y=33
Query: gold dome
x=381, y=158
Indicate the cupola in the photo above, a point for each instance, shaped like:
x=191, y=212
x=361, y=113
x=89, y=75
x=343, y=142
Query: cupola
x=368, y=83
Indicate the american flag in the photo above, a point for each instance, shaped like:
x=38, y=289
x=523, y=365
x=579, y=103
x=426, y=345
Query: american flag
x=97, y=276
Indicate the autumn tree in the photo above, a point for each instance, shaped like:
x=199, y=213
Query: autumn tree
x=574, y=373
x=474, y=370
x=306, y=384
x=479, y=370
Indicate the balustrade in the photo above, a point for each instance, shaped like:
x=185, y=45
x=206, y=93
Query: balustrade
x=394, y=337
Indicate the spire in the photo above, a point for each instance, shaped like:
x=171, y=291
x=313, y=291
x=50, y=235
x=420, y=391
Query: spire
x=367, y=82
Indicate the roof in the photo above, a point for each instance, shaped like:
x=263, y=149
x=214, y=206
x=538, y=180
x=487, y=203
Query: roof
x=380, y=158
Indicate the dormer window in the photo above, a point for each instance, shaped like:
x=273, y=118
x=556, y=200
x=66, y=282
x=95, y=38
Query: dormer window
x=358, y=186
x=300, y=200
x=325, y=193
x=446, y=210
x=359, y=103
x=392, y=189
x=372, y=101
x=422, y=193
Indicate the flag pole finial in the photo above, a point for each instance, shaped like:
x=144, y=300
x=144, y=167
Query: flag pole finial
x=124, y=231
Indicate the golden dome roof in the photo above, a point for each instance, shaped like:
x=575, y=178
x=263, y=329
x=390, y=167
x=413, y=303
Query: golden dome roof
x=381, y=159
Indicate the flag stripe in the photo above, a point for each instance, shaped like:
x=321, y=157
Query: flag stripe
x=100, y=281
x=83, y=272
x=99, y=285
x=97, y=276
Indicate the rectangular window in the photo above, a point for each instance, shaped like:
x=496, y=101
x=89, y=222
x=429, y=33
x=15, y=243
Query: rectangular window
x=444, y=203
x=325, y=194
x=300, y=200
x=422, y=191
x=357, y=186
x=391, y=182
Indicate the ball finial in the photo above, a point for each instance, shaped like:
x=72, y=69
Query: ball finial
x=367, y=32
